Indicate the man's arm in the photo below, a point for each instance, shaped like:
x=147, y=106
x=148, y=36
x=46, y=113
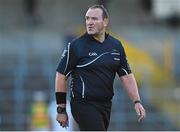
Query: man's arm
x=60, y=83
x=60, y=86
x=130, y=86
x=66, y=65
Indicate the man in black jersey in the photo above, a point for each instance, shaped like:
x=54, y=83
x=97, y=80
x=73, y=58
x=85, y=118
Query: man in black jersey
x=93, y=60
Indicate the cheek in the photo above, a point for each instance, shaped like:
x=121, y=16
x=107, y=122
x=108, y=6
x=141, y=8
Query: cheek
x=99, y=25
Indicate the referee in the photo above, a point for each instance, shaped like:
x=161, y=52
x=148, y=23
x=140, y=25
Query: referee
x=93, y=60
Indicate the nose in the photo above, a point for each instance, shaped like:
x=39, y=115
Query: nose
x=89, y=22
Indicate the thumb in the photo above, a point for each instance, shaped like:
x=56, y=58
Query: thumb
x=137, y=111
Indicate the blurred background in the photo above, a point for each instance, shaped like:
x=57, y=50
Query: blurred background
x=33, y=34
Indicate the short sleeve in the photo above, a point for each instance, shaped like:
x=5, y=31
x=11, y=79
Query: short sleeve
x=124, y=68
x=68, y=60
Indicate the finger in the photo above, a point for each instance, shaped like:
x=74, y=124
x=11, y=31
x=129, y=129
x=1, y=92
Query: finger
x=64, y=125
x=60, y=123
x=142, y=111
x=140, y=119
x=142, y=116
x=138, y=112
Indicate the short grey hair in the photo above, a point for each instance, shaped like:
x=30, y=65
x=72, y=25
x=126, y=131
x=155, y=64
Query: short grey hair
x=105, y=13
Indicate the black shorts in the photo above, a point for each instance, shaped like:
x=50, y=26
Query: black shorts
x=91, y=115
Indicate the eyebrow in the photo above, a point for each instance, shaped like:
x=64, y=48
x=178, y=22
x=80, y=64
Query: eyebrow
x=91, y=17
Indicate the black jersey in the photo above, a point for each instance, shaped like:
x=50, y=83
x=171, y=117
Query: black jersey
x=93, y=66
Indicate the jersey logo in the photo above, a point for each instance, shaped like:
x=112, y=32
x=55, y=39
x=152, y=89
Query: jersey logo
x=117, y=59
x=92, y=54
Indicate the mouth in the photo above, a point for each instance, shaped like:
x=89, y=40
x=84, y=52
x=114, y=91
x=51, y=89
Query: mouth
x=90, y=28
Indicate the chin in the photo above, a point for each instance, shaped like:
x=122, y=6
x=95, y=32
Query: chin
x=90, y=33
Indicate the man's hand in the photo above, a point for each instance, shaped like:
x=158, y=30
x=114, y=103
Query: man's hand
x=62, y=119
x=140, y=111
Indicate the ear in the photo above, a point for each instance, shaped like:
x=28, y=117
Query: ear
x=106, y=22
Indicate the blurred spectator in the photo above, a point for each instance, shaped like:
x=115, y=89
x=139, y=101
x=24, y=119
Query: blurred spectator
x=54, y=125
x=39, y=120
x=31, y=11
x=173, y=21
x=146, y=5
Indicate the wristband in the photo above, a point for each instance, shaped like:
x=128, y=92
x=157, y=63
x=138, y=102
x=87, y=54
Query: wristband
x=61, y=110
x=137, y=101
x=60, y=97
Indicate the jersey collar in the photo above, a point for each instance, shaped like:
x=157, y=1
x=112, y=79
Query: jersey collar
x=91, y=38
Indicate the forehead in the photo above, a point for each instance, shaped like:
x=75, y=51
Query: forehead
x=94, y=12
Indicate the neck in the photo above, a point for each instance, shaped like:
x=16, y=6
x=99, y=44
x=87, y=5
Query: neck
x=100, y=37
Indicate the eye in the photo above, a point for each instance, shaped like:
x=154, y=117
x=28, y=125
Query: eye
x=94, y=18
x=86, y=18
